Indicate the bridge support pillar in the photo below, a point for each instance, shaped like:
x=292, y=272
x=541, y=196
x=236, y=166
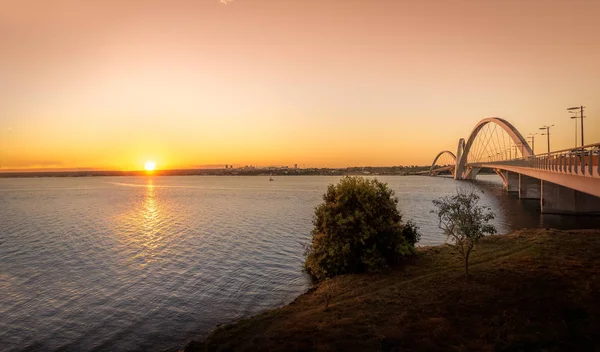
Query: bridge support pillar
x=512, y=184
x=556, y=199
x=472, y=173
x=529, y=187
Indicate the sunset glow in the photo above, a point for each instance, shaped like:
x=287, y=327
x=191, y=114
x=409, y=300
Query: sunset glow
x=98, y=84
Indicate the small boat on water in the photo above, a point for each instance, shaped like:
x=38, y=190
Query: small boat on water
x=271, y=178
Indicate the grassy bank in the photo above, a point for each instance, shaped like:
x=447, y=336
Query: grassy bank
x=530, y=290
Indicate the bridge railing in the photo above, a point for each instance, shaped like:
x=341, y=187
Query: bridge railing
x=581, y=161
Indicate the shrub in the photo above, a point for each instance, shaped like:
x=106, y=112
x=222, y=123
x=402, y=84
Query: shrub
x=358, y=228
x=463, y=221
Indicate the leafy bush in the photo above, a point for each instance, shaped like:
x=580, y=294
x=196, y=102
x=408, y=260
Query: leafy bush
x=358, y=228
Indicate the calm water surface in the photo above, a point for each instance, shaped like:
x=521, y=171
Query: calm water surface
x=142, y=263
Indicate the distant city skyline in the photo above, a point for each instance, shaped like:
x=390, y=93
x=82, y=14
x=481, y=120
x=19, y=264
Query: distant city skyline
x=110, y=85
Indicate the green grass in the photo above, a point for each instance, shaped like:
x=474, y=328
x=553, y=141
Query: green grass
x=530, y=290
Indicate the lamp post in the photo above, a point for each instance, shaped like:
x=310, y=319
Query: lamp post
x=575, y=117
x=547, y=128
x=532, y=137
x=518, y=147
x=574, y=110
x=522, y=146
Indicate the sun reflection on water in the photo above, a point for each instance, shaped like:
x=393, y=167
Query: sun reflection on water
x=150, y=211
x=150, y=237
x=142, y=227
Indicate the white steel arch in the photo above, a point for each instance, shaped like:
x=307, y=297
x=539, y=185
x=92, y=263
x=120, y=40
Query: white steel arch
x=438, y=156
x=463, y=150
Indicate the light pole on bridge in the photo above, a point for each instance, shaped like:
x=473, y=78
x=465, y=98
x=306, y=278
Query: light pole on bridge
x=532, y=137
x=547, y=128
x=574, y=110
x=517, y=147
x=575, y=117
x=521, y=146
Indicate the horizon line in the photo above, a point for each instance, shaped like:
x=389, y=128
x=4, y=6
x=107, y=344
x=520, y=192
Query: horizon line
x=208, y=167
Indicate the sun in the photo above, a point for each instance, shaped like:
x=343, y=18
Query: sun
x=150, y=165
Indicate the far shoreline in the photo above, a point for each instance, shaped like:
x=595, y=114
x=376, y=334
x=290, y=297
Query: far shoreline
x=245, y=171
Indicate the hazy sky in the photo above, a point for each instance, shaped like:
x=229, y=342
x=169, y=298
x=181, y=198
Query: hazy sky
x=109, y=84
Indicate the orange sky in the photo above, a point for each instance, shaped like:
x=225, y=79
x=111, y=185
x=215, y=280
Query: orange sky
x=109, y=84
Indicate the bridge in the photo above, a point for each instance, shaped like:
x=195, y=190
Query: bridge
x=565, y=181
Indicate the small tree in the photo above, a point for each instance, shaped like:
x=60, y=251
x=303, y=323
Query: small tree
x=358, y=228
x=463, y=221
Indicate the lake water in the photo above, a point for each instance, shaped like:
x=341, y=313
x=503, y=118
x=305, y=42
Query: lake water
x=148, y=263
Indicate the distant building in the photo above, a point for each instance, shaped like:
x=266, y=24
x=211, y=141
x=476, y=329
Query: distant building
x=226, y=166
x=295, y=166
